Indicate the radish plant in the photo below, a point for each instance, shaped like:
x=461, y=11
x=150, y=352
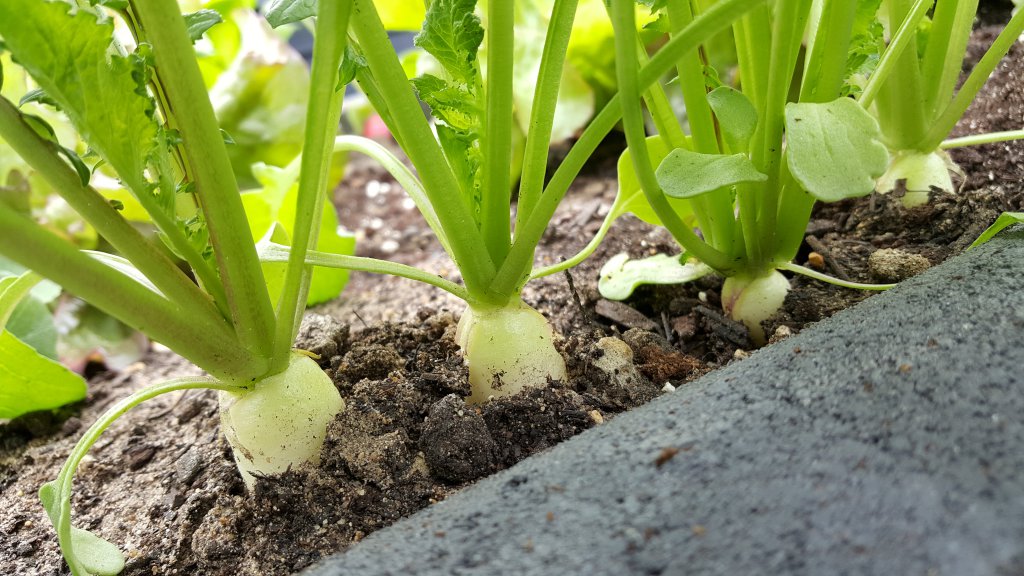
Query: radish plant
x=755, y=159
x=146, y=114
x=913, y=91
x=462, y=185
x=736, y=191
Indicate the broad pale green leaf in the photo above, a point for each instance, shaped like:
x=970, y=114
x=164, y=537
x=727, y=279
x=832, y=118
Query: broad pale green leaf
x=736, y=115
x=452, y=34
x=834, y=149
x=1005, y=220
x=271, y=213
x=88, y=552
x=32, y=323
x=79, y=70
x=621, y=275
x=96, y=554
x=197, y=23
x=281, y=12
x=30, y=381
x=685, y=174
x=631, y=197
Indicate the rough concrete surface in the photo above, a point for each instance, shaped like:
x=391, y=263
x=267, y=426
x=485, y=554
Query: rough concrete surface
x=888, y=440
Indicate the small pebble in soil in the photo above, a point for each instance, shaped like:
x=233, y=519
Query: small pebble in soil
x=781, y=333
x=456, y=442
x=188, y=466
x=623, y=384
x=322, y=335
x=894, y=265
x=657, y=359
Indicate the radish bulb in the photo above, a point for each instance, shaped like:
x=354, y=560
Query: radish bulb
x=752, y=300
x=507, y=348
x=282, y=422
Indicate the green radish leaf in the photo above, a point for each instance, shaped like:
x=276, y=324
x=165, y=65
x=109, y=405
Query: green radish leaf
x=281, y=12
x=12, y=290
x=449, y=103
x=32, y=323
x=685, y=174
x=834, y=149
x=620, y=275
x=97, y=555
x=29, y=381
x=350, y=66
x=631, y=197
x=84, y=174
x=1005, y=220
x=82, y=73
x=464, y=156
x=452, y=34
x=736, y=115
x=86, y=552
x=866, y=45
x=197, y=23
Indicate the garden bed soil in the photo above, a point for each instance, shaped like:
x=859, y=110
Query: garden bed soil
x=161, y=484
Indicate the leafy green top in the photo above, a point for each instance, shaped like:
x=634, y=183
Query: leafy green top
x=83, y=73
x=452, y=34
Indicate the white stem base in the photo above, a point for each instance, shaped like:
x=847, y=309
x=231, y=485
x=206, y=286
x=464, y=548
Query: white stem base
x=282, y=422
x=507, y=349
x=754, y=300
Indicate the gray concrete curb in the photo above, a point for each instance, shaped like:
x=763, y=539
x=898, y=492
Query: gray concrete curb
x=888, y=440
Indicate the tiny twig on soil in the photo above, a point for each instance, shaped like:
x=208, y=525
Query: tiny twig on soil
x=730, y=330
x=578, y=301
x=830, y=258
x=360, y=318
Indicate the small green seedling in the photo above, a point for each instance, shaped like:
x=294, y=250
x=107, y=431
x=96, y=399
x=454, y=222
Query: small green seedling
x=913, y=91
x=147, y=115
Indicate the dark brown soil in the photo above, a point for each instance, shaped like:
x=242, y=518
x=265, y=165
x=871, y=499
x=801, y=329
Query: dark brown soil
x=161, y=483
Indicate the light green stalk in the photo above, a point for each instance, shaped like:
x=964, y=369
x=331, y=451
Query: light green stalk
x=210, y=166
x=324, y=113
